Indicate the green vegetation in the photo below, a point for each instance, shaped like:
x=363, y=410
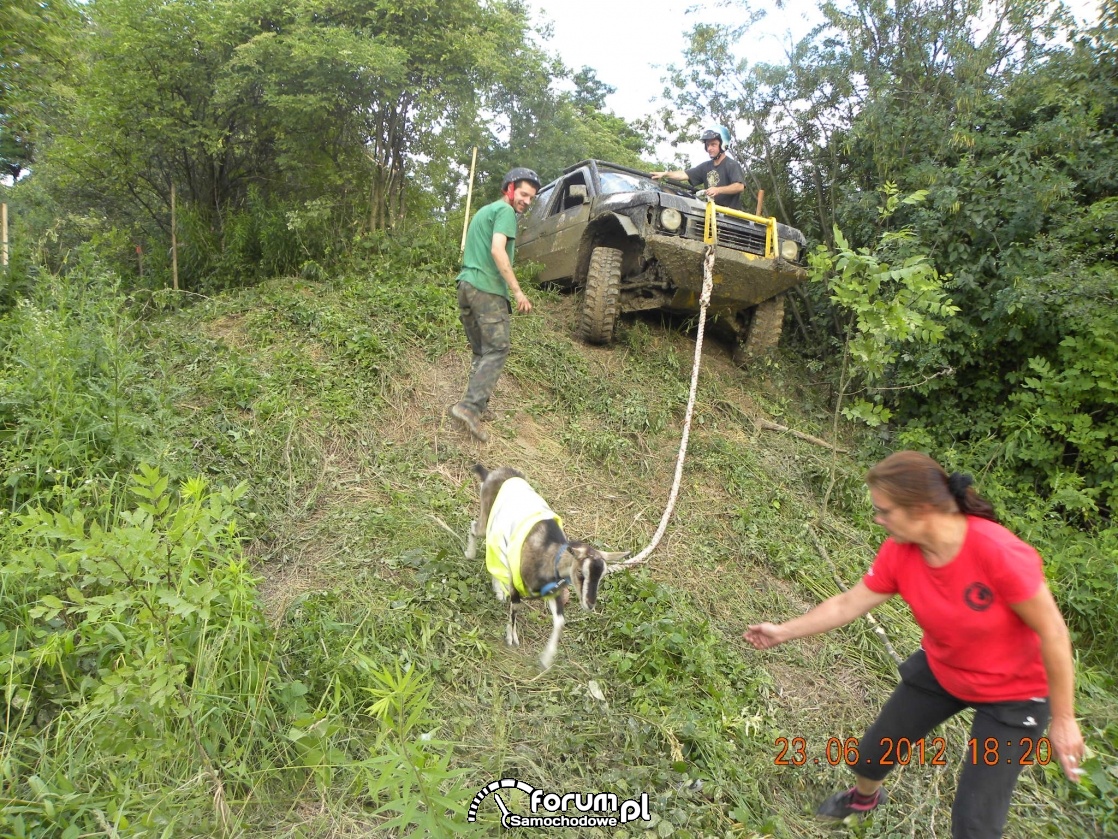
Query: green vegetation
x=232, y=597
x=268, y=631
x=1006, y=128
x=283, y=129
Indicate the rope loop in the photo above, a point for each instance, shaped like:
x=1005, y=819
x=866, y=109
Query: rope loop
x=704, y=303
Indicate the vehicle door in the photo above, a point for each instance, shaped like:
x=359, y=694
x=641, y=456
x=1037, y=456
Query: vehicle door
x=552, y=237
x=528, y=226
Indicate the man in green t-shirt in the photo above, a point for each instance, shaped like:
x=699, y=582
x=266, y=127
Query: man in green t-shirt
x=487, y=288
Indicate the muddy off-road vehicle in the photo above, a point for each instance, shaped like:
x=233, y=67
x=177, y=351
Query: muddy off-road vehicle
x=635, y=244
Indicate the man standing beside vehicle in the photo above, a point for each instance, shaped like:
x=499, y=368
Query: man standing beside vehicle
x=487, y=289
x=721, y=177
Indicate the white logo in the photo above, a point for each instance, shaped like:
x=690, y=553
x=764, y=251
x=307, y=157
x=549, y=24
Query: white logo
x=550, y=802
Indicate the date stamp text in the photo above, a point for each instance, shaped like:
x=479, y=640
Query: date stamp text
x=902, y=751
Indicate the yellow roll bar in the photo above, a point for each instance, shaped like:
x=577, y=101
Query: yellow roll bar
x=710, y=227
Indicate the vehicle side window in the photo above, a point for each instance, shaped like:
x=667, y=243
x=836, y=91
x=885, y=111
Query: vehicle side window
x=539, y=205
x=573, y=193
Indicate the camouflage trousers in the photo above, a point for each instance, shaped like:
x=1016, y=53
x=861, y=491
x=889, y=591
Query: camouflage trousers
x=485, y=317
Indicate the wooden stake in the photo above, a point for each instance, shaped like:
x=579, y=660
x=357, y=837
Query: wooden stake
x=4, y=236
x=174, y=244
x=469, y=197
x=760, y=201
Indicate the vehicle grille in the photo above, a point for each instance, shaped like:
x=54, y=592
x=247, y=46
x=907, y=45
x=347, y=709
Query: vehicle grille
x=732, y=233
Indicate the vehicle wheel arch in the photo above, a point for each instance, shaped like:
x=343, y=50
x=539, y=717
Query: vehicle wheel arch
x=608, y=233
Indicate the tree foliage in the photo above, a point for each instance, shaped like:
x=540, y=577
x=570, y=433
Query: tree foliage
x=288, y=129
x=550, y=128
x=32, y=57
x=1003, y=114
x=887, y=298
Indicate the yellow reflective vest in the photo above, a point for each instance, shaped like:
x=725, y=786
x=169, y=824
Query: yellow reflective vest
x=516, y=510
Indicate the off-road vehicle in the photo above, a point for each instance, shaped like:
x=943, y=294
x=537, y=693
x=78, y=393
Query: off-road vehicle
x=635, y=244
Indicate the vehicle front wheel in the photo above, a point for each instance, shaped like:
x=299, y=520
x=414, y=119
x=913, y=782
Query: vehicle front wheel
x=600, y=299
x=765, y=324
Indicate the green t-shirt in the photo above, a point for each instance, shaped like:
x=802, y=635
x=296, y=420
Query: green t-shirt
x=478, y=267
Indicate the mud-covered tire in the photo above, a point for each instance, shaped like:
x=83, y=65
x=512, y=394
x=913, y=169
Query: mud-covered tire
x=600, y=299
x=765, y=325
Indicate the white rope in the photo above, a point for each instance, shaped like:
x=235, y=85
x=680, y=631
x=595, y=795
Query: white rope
x=704, y=302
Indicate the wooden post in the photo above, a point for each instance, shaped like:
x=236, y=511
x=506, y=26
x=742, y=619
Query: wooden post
x=4, y=237
x=760, y=201
x=469, y=197
x=174, y=244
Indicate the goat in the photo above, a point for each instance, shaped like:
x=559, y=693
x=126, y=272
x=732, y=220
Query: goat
x=528, y=555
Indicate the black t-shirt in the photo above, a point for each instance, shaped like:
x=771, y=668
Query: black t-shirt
x=706, y=174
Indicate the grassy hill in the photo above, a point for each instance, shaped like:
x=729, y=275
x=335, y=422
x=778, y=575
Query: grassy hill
x=358, y=672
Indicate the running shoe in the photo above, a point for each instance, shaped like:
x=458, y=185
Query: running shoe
x=848, y=803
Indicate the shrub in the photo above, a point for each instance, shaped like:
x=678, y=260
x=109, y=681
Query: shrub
x=75, y=404
x=134, y=653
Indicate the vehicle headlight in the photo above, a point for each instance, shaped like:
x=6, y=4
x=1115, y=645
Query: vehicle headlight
x=670, y=219
x=790, y=249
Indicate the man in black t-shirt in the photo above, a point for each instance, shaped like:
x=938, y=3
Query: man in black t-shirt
x=721, y=177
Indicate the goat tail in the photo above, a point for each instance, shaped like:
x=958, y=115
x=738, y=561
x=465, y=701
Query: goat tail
x=504, y=783
x=481, y=472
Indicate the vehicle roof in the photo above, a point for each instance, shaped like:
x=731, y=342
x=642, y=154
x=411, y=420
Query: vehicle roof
x=602, y=164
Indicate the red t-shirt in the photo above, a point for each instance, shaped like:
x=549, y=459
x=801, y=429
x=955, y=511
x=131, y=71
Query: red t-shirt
x=977, y=646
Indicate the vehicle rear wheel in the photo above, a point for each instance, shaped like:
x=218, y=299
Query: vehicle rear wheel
x=600, y=299
x=765, y=325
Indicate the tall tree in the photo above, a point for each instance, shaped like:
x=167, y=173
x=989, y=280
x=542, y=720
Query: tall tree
x=550, y=126
x=286, y=127
x=1004, y=114
x=253, y=108
x=1026, y=221
x=33, y=53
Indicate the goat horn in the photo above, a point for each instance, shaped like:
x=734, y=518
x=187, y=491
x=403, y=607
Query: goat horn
x=614, y=556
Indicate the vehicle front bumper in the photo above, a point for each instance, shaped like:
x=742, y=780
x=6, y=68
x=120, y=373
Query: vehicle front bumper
x=741, y=280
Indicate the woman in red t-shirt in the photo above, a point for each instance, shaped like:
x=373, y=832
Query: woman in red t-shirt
x=994, y=640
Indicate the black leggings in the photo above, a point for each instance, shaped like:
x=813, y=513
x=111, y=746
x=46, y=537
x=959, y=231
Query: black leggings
x=1005, y=739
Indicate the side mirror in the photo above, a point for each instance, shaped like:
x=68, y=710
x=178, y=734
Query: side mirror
x=576, y=195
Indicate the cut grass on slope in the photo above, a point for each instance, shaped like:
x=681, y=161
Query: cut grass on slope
x=329, y=400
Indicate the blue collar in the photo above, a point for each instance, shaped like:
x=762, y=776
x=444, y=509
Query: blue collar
x=553, y=587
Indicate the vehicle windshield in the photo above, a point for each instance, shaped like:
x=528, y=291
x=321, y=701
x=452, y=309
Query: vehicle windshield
x=621, y=182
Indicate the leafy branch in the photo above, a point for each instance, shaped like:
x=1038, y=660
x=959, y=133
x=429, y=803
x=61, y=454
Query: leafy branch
x=887, y=298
